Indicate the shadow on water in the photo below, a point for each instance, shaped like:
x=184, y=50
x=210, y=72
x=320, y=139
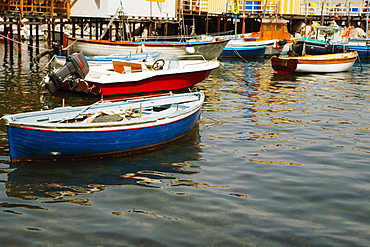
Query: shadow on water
x=62, y=181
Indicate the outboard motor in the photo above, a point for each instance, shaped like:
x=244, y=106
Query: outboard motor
x=76, y=67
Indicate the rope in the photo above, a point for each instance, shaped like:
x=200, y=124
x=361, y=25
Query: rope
x=47, y=64
x=77, y=39
x=237, y=76
x=35, y=47
x=238, y=54
x=16, y=41
x=359, y=60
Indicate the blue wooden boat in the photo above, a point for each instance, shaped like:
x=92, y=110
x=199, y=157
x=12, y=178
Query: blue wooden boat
x=317, y=47
x=363, y=51
x=361, y=46
x=244, y=51
x=102, y=129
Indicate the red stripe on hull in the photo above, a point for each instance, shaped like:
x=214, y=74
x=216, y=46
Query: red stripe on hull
x=154, y=84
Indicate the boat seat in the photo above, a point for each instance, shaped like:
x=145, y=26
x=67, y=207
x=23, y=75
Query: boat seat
x=121, y=66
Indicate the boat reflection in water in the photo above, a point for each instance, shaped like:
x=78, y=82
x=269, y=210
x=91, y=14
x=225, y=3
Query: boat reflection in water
x=297, y=78
x=63, y=181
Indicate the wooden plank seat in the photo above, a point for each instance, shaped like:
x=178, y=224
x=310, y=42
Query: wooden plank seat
x=121, y=66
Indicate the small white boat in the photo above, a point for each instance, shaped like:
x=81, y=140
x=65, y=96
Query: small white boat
x=328, y=63
x=127, y=78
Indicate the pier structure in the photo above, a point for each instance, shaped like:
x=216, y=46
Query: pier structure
x=127, y=19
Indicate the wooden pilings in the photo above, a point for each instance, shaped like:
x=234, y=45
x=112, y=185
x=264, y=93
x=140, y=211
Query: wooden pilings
x=39, y=29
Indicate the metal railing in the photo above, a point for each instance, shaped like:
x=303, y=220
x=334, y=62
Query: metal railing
x=250, y=7
x=335, y=8
x=344, y=8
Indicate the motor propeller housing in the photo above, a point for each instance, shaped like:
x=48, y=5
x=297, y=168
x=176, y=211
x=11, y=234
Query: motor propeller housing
x=76, y=66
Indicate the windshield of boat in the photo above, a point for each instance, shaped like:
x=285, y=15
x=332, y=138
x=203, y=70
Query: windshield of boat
x=170, y=60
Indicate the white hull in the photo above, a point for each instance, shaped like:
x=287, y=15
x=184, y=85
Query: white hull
x=209, y=50
x=327, y=68
x=271, y=45
x=327, y=63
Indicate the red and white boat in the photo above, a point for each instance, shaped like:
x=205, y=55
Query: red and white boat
x=127, y=78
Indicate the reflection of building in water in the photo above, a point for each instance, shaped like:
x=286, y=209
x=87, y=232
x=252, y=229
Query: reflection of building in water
x=63, y=181
x=281, y=92
x=275, y=92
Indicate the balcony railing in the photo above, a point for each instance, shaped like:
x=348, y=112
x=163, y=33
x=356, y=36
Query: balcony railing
x=250, y=7
x=335, y=8
x=47, y=8
x=273, y=7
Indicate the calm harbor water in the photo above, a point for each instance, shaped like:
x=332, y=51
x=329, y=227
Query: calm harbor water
x=277, y=160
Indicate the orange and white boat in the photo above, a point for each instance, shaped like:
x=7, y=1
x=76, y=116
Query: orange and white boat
x=327, y=63
x=273, y=34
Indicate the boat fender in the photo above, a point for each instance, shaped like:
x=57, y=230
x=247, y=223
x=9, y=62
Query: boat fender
x=140, y=48
x=190, y=50
x=281, y=44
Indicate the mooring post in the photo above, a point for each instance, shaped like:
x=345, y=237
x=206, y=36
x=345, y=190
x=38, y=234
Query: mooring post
x=37, y=38
x=62, y=34
x=91, y=29
x=30, y=47
x=52, y=30
x=97, y=35
x=49, y=34
x=82, y=28
x=73, y=28
x=11, y=43
x=19, y=39
x=5, y=33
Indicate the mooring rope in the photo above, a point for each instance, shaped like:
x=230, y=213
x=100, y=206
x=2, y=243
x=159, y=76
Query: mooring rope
x=231, y=72
x=238, y=54
x=16, y=41
x=77, y=39
x=36, y=47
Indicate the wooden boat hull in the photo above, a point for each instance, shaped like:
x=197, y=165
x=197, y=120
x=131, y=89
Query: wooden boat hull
x=315, y=64
x=246, y=51
x=40, y=141
x=208, y=49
